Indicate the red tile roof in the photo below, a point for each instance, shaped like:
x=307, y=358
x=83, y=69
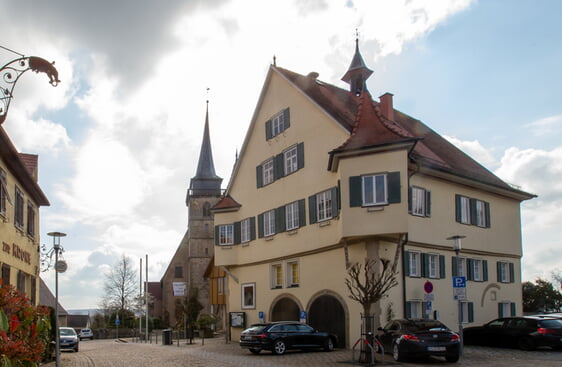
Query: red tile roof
x=226, y=203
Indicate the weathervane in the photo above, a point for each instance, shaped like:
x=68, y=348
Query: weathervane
x=11, y=72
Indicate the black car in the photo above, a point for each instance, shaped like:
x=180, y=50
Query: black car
x=279, y=337
x=407, y=338
x=527, y=333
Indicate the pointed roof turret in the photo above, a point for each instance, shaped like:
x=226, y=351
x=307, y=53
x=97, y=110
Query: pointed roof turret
x=357, y=73
x=206, y=182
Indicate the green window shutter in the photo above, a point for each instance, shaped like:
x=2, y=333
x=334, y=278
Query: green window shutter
x=458, y=208
x=499, y=272
x=217, y=235
x=470, y=312
x=410, y=190
x=280, y=225
x=393, y=185
x=278, y=166
x=488, y=219
x=407, y=263
x=511, y=273
x=454, y=266
x=470, y=269
x=409, y=309
x=259, y=176
x=473, y=214
x=312, y=209
x=513, y=309
x=302, y=213
x=287, y=118
x=260, y=225
x=442, y=267
x=300, y=155
x=428, y=203
x=252, y=228
x=485, y=270
x=355, y=191
x=500, y=310
x=268, y=130
x=335, y=201
x=424, y=265
x=237, y=233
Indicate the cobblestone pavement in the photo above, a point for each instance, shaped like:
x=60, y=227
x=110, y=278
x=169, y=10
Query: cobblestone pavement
x=215, y=352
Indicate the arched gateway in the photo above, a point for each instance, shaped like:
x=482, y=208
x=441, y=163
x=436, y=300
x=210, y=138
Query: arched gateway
x=328, y=314
x=285, y=309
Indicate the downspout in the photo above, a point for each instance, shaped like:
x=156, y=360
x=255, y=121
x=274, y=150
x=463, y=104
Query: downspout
x=404, y=274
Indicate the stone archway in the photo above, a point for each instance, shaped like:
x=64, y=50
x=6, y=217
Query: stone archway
x=285, y=309
x=327, y=313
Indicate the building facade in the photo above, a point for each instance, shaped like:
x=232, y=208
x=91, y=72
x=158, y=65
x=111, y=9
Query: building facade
x=327, y=178
x=195, y=252
x=20, y=200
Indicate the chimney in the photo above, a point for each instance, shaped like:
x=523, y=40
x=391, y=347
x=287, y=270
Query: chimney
x=386, y=106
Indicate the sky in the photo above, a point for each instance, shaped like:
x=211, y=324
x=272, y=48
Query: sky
x=118, y=139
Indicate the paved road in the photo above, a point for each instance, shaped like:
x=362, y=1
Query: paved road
x=215, y=352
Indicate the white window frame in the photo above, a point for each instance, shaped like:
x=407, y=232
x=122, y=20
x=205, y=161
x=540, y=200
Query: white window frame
x=415, y=264
x=324, y=205
x=292, y=215
x=464, y=312
x=371, y=185
x=268, y=174
x=276, y=276
x=418, y=201
x=278, y=124
x=220, y=285
x=480, y=213
x=417, y=309
x=269, y=223
x=478, y=270
x=433, y=265
x=504, y=272
x=506, y=309
x=245, y=230
x=465, y=209
x=462, y=266
x=226, y=234
x=292, y=279
x=290, y=158
x=248, y=296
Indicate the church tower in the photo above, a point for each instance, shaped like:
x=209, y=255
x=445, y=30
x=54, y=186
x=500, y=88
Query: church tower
x=195, y=252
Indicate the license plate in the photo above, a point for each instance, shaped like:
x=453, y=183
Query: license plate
x=436, y=349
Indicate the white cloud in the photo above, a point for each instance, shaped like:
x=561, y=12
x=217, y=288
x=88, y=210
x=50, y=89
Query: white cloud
x=546, y=126
x=474, y=149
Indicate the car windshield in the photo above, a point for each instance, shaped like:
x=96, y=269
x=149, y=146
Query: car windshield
x=551, y=323
x=67, y=332
x=425, y=325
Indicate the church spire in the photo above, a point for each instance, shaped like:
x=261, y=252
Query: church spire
x=357, y=73
x=206, y=182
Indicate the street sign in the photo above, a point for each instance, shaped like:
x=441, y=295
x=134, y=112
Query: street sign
x=459, y=282
x=428, y=297
x=303, y=315
x=428, y=287
x=428, y=306
x=459, y=294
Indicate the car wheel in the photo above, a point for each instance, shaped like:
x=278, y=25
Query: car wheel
x=526, y=343
x=255, y=350
x=396, y=353
x=329, y=345
x=452, y=358
x=279, y=347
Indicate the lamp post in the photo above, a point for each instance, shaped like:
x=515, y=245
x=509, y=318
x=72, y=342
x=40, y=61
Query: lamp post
x=60, y=267
x=457, y=248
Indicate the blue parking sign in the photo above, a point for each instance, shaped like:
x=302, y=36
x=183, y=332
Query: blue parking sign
x=459, y=282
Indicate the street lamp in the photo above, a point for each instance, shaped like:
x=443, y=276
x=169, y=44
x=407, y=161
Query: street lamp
x=60, y=267
x=457, y=248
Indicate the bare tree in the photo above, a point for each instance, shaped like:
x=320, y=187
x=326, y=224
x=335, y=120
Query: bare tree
x=120, y=285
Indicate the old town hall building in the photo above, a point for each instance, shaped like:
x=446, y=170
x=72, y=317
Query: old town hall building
x=329, y=177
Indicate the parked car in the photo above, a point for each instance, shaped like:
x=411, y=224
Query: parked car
x=86, y=334
x=279, y=337
x=555, y=315
x=408, y=338
x=68, y=338
x=527, y=333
